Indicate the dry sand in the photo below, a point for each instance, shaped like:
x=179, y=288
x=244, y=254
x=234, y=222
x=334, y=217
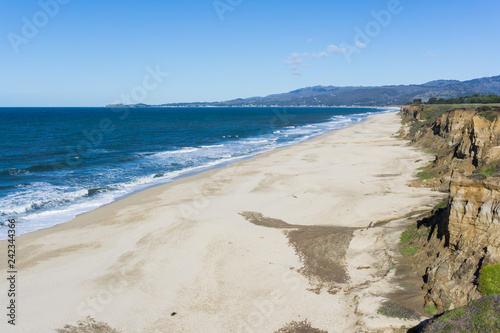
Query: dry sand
x=184, y=257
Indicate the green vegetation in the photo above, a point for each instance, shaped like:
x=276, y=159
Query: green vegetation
x=488, y=170
x=430, y=112
x=441, y=205
x=489, y=279
x=425, y=175
x=407, y=119
x=479, y=316
x=429, y=115
x=393, y=310
x=474, y=99
x=453, y=314
x=410, y=234
x=488, y=114
x=431, y=310
x=407, y=240
x=408, y=250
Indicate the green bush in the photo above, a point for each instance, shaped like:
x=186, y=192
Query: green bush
x=431, y=310
x=479, y=316
x=442, y=204
x=406, y=246
x=474, y=99
x=425, y=175
x=488, y=115
x=408, y=250
x=393, y=310
x=489, y=279
x=488, y=170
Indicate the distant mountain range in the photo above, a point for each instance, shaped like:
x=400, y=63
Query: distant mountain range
x=362, y=96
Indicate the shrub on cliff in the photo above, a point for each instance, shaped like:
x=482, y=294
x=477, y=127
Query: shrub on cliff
x=482, y=315
x=489, y=279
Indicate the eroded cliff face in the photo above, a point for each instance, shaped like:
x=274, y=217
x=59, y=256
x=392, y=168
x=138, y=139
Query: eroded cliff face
x=470, y=133
x=462, y=139
x=465, y=235
x=465, y=238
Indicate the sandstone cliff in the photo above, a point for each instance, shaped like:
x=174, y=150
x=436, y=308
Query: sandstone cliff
x=465, y=235
x=462, y=139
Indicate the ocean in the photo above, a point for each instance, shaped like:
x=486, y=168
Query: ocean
x=57, y=163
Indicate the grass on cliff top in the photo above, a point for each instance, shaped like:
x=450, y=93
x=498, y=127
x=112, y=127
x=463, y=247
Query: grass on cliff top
x=479, y=316
x=488, y=114
x=489, y=279
x=431, y=112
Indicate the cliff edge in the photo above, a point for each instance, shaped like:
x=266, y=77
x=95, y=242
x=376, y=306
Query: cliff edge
x=463, y=234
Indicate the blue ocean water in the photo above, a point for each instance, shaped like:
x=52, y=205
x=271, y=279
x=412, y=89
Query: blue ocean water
x=57, y=163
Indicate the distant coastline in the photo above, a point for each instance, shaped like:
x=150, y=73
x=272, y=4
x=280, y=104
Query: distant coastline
x=369, y=96
x=392, y=107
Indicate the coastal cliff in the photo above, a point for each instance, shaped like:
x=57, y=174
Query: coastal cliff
x=463, y=234
x=463, y=139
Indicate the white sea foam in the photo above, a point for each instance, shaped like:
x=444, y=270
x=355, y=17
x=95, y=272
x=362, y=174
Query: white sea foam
x=42, y=204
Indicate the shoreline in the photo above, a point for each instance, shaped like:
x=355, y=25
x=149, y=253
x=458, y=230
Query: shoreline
x=184, y=248
x=203, y=168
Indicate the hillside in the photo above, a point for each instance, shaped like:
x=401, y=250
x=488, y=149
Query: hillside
x=363, y=96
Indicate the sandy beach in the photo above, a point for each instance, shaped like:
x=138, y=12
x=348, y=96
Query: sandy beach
x=248, y=247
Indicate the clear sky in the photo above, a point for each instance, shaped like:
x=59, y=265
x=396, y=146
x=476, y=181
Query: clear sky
x=91, y=53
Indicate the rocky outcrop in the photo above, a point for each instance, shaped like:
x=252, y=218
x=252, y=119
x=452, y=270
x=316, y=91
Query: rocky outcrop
x=470, y=133
x=466, y=238
x=465, y=235
x=409, y=112
x=462, y=139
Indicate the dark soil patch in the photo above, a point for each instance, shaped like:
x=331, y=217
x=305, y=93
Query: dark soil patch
x=322, y=249
x=299, y=327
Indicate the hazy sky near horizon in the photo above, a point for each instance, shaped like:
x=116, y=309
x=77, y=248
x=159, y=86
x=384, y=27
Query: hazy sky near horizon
x=91, y=53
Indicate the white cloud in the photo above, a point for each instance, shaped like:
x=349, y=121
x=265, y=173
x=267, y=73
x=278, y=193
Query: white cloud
x=320, y=55
x=360, y=45
x=299, y=60
x=296, y=58
x=336, y=49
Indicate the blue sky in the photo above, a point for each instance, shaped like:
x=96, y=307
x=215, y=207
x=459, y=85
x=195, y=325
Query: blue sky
x=91, y=53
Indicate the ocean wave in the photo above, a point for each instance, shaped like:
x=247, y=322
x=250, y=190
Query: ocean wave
x=253, y=142
x=37, y=168
x=41, y=204
x=213, y=146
